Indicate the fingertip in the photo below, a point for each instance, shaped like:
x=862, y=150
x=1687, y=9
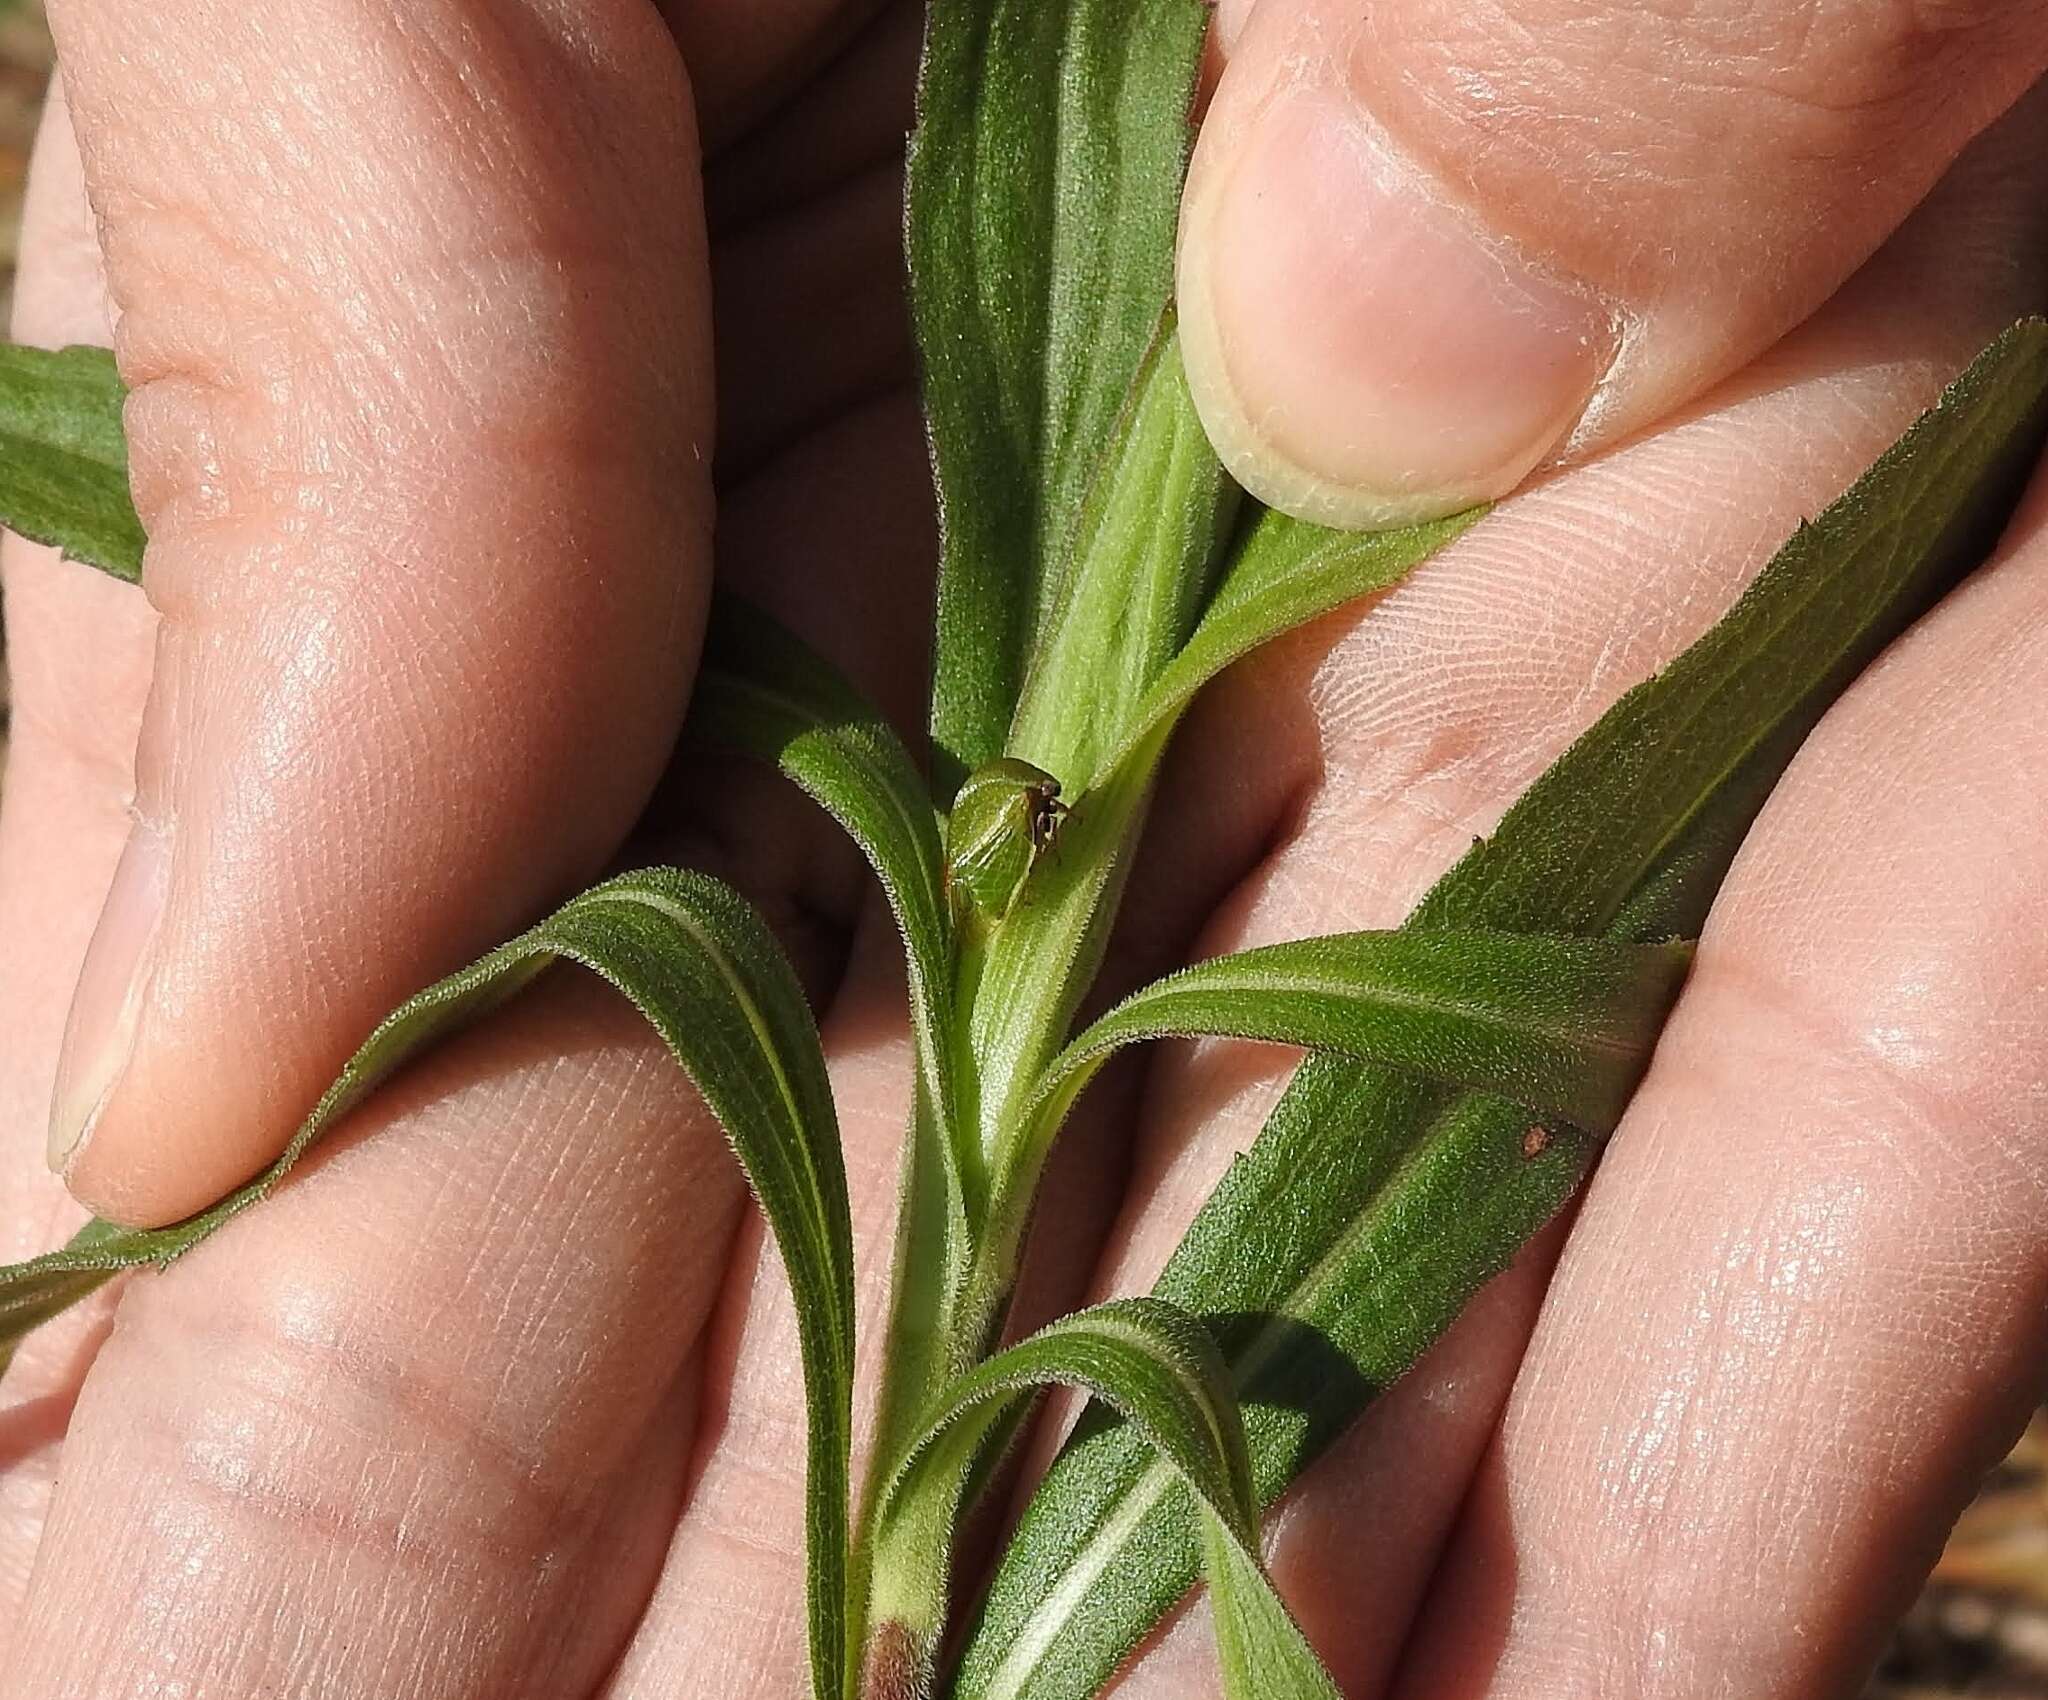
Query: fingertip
x=148, y=1127
x=1427, y=248
x=1362, y=353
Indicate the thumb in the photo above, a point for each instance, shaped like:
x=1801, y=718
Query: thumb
x=1429, y=243
x=412, y=300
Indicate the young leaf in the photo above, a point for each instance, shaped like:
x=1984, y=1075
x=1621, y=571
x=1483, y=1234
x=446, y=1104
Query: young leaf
x=763, y=691
x=63, y=457
x=1374, y=1204
x=1043, y=195
x=707, y=974
x=1156, y=1366
x=1282, y=574
x=1129, y=598
x=1044, y=186
x=1279, y=574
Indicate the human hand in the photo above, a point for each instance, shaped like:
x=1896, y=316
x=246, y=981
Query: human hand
x=1427, y=248
x=509, y=658
x=351, y=1424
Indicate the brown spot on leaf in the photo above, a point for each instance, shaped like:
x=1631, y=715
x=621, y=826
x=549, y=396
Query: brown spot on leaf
x=1535, y=1141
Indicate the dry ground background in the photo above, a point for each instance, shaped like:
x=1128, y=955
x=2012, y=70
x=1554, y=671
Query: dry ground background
x=1980, y=1629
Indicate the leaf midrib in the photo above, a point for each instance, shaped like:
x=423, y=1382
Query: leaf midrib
x=764, y=1039
x=1115, y=1032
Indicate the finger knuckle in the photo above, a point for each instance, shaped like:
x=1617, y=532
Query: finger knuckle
x=274, y=1409
x=433, y=237
x=1896, y=58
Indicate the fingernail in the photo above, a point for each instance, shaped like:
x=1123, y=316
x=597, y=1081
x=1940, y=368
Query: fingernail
x=1361, y=351
x=99, y=1034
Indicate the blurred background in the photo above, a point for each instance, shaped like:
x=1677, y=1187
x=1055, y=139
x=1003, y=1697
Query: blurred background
x=1981, y=1627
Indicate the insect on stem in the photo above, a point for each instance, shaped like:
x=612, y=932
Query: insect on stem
x=1003, y=820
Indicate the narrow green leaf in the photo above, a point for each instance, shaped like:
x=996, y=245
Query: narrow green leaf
x=1374, y=1204
x=1129, y=599
x=1039, y=965
x=63, y=457
x=1158, y=1368
x=1282, y=574
x=764, y=692
x=761, y=690
x=1260, y=1649
x=1563, y=1026
x=1044, y=186
x=704, y=970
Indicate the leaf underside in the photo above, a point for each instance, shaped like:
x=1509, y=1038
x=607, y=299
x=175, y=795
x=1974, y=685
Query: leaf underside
x=1150, y=536
x=767, y=694
x=1043, y=188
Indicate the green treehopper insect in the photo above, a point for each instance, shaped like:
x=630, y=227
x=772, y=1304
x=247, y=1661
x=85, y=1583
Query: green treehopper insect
x=1004, y=817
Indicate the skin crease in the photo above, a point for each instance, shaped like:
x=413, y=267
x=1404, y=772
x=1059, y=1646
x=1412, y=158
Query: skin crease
x=510, y=1358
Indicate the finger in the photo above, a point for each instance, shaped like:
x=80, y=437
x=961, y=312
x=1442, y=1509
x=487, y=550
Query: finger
x=746, y=56
x=1806, y=1305
x=413, y=305
x=79, y=648
x=812, y=318
x=1429, y=715
x=851, y=120
x=75, y=709
x=419, y=1424
x=540, y=1182
x=1857, y=1054
x=1426, y=244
